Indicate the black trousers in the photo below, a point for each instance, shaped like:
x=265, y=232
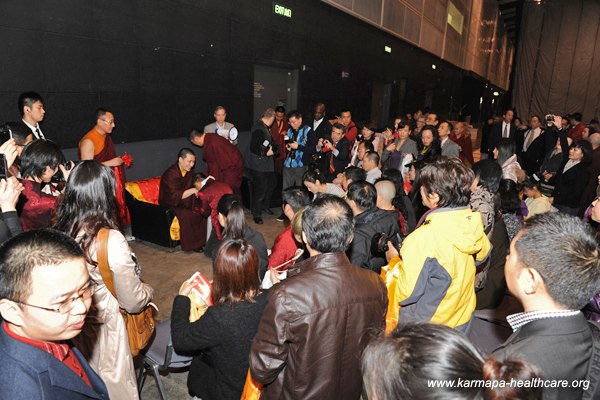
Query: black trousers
x=263, y=184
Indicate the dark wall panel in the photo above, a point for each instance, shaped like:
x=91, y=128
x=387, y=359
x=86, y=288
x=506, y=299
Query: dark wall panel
x=163, y=65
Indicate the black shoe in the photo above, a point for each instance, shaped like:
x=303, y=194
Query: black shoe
x=258, y=220
x=268, y=211
x=198, y=250
x=281, y=218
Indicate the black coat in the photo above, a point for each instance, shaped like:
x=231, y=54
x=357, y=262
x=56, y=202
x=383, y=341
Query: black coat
x=366, y=226
x=496, y=135
x=569, y=185
x=227, y=332
x=560, y=347
x=340, y=161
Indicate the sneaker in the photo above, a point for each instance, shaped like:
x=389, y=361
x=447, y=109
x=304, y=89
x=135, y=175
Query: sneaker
x=281, y=218
x=130, y=238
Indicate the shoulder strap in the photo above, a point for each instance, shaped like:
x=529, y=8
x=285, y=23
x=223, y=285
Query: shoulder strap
x=102, y=255
x=592, y=375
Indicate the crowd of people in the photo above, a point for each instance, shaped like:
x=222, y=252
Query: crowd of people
x=396, y=236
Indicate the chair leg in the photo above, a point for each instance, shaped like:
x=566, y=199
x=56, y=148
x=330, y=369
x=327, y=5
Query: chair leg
x=159, y=384
x=141, y=378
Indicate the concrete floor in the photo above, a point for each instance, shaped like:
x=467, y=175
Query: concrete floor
x=165, y=270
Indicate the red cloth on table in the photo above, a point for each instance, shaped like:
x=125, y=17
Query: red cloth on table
x=191, y=222
x=223, y=160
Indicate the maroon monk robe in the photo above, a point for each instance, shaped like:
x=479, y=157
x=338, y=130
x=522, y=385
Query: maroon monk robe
x=192, y=224
x=108, y=153
x=223, y=161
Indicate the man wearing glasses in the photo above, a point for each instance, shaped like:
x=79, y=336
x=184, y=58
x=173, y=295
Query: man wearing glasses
x=45, y=295
x=98, y=145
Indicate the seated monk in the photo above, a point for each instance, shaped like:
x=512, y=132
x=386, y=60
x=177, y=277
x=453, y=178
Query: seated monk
x=177, y=192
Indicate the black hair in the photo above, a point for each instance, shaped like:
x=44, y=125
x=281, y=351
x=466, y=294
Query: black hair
x=20, y=132
x=531, y=184
x=586, y=149
x=577, y=116
x=195, y=133
x=436, y=148
x=183, y=153
x=88, y=204
x=450, y=179
x=232, y=209
x=399, y=366
x=20, y=254
x=372, y=156
x=328, y=224
x=313, y=175
x=294, y=114
x=99, y=113
x=38, y=155
x=509, y=197
x=280, y=109
x=363, y=194
x=297, y=197
x=506, y=149
x=489, y=173
x=339, y=126
x=368, y=144
x=551, y=241
x=355, y=174
x=27, y=99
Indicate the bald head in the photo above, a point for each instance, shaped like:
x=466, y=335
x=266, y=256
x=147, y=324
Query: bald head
x=386, y=191
x=595, y=140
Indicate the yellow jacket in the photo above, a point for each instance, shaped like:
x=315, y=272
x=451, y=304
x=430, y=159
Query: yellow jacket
x=436, y=280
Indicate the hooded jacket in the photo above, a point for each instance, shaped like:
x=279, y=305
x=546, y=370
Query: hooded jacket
x=438, y=275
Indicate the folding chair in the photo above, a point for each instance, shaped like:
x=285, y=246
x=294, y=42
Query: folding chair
x=160, y=357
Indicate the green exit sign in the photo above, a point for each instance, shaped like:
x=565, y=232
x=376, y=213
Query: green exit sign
x=282, y=10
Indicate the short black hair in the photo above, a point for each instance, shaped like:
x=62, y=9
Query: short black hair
x=183, y=153
x=20, y=131
x=363, y=194
x=372, y=156
x=339, y=126
x=368, y=145
x=38, y=155
x=565, y=253
x=297, y=197
x=20, y=254
x=577, y=116
x=328, y=224
x=355, y=174
x=27, y=99
x=295, y=114
x=280, y=109
x=489, y=173
x=449, y=179
x=195, y=133
x=100, y=112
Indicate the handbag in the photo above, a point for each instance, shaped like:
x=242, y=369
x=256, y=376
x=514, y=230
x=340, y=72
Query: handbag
x=140, y=327
x=252, y=389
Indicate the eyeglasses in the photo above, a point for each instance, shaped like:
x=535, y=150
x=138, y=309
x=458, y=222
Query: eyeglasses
x=66, y=306
x=108, y=121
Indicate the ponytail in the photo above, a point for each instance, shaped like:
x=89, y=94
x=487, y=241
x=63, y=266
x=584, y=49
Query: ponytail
x=231, y=207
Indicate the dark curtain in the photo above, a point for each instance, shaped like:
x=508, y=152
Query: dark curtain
x=558, y=62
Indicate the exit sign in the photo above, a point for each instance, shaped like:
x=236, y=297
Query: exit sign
x=282, y=10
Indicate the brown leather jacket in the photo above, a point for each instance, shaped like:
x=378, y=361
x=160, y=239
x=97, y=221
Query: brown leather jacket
x=314, y=329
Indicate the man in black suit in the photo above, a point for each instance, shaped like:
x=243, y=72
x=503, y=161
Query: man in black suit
x=553, y=269
x=532, y=146
x=322, y=129
x=336, y=152
x=503, y=129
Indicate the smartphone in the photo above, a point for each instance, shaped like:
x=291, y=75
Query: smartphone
x=5, y=134
x=3, y=167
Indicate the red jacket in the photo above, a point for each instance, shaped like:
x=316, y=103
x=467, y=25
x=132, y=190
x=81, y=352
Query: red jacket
x=36, y=207
x=284, y=249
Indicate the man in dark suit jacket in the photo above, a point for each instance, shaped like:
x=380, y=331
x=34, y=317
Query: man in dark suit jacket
x=553, y=270
x=336, y=152
x=44, y=299
x=503, y=129
x=322, y=129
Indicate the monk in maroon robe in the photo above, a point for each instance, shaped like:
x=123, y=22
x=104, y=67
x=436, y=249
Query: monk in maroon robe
x=177, y=193
x=223, y=160
x=209, y=196
x=97, y=145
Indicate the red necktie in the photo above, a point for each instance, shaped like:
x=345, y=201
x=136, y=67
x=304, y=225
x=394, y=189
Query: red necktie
x=331, y=167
